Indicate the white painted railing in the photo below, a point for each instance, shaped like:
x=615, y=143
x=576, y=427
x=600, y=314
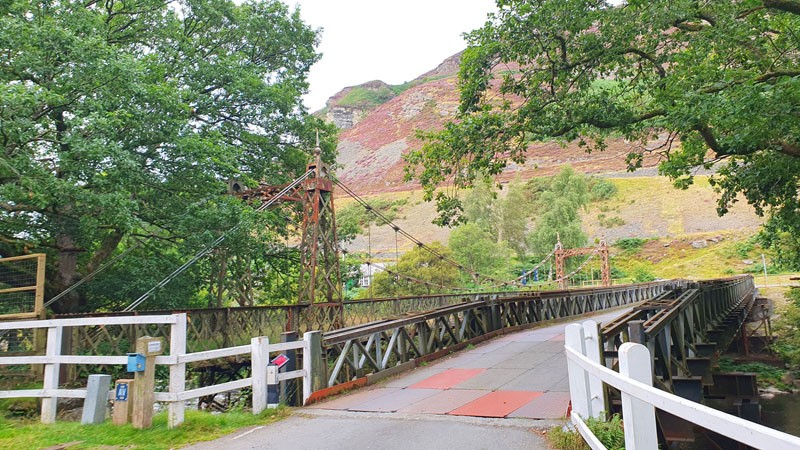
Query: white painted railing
x=640, y=399
x=177, y=395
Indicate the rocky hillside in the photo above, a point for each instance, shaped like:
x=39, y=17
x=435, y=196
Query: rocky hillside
x=379, y=124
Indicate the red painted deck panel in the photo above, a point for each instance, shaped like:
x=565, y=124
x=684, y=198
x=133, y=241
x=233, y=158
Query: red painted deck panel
x=447, y=379
x=496, y=404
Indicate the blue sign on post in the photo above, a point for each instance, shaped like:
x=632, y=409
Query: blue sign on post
x=136, y=362
x=122, y=392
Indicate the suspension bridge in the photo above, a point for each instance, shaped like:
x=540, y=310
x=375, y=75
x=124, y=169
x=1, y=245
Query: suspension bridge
x=684, y=325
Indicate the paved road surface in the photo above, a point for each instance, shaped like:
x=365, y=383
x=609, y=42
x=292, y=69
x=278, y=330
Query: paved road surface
x=499, y=395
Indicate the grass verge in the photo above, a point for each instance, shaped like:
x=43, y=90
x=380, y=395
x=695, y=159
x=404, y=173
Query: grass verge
x=199, y=426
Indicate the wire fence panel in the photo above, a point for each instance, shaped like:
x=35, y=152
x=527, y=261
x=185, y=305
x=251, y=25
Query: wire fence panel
x=21, y=287
x=21, y=297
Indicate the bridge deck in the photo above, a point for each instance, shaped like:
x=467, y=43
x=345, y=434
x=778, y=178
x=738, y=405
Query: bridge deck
x=520, y=375
x=496, y=395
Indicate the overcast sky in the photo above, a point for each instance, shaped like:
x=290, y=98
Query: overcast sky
x=364, y=40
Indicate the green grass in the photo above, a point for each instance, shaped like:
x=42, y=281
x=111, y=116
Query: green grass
x=199, y=426
x=609, y=432
x=768, y=375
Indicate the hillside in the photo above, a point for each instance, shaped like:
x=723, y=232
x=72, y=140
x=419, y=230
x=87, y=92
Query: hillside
x=379, y=124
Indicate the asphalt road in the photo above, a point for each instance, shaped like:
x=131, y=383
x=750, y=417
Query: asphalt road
x=326, y=429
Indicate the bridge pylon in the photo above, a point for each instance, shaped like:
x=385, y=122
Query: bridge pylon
x=320, y=281
x=561, y=254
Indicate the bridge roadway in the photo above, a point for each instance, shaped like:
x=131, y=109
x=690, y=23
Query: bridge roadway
x=503, y=393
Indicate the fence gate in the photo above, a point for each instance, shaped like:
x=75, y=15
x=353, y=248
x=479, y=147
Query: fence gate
x=21, y=298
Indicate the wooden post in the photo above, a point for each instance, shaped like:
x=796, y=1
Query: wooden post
x=313, y=364
x=144, y=386
x=49, y=404
x=593, y=344
x=578, y=378
x=123, y=406
x=259, y=358
x=639, y=417
x=177, y=372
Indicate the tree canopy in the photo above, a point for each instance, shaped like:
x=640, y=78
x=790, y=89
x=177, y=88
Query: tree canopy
x=123, y=120
x=413, y=270
x=699, y=83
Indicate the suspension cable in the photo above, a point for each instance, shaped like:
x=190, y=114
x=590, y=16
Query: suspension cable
x=202, y=253
x=407, y=235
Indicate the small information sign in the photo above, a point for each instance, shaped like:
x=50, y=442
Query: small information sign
x=122, y=392
x=280, y=360
x=154, y=347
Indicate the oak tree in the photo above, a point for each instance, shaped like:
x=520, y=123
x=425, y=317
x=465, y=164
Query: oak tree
x=123, y=120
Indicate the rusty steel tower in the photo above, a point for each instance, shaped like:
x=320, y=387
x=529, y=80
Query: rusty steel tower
x=320, y=282
x=562, y=254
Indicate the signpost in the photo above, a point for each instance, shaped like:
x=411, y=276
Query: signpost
x=144, y=382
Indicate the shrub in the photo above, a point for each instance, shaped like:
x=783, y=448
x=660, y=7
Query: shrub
x=603, y=189
x=630, y=244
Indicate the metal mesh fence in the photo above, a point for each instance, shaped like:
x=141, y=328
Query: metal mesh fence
x=19, y=279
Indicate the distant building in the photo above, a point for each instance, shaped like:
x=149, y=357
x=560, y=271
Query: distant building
x=368, y=271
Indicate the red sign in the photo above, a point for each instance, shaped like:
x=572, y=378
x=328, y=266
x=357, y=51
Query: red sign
x=280, y=360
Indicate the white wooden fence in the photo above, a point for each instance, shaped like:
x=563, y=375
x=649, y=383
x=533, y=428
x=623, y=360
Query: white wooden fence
x=177, y=395
x=640, y=399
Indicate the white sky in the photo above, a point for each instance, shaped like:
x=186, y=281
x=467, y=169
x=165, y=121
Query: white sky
x=364, y=40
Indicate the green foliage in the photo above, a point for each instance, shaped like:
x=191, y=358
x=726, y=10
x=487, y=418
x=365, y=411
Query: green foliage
x=768, y=375
x=719, y=77
x=123, y=123
x=513, y=212
x=558, y=213
x=480, y=207
x=421, y=265
x=609, y=432
x=602, y=189
x=566, y=439
x=630, y=244
x=353, y=218
x=367, y=98
x=199, y=426
x=610, y=222
x=475, y=249
x=787, y=329
x=641, y=273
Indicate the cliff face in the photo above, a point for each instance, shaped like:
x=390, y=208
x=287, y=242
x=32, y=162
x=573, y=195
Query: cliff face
x=379, y=124
x=351, y=104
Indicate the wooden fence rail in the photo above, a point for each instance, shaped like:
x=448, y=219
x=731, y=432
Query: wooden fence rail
x=258, y=350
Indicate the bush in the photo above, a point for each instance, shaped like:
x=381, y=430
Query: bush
x=630, y=244
x=603, y=189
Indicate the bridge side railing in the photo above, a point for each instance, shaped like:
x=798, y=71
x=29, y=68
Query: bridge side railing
x=640, y=399
x=368, y=349
x=258, y=351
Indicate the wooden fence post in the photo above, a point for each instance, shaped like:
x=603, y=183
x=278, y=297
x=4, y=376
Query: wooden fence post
x=639, y=417
x=144, y=385
x=593, y=344
x=177, y=372
x=578, y=378
x=258, y=366
x=50, y=404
